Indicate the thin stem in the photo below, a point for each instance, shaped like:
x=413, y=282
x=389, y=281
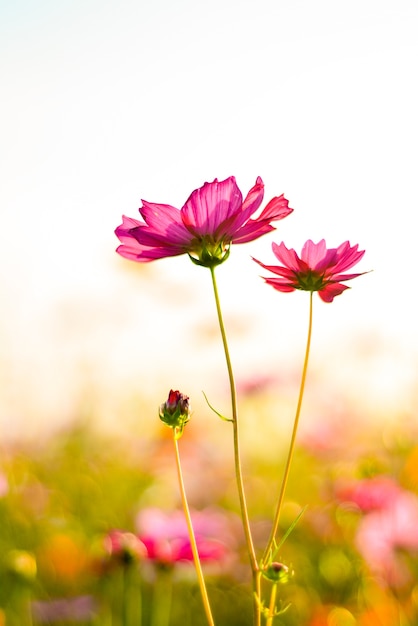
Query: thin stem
x=192, y=538
x=237, y=455
x=275, y=527
x=272, y=606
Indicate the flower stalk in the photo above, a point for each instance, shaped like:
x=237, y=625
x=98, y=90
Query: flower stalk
x=272, y=539
x=196, y=559
x=237, y=455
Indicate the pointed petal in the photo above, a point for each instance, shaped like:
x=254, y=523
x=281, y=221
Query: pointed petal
x=280, y=284
x=144, y=254
x=252, y=230
x=210, y=205
x=123, y=231
x=231, y=227
x=254, y=197
x=165, y=222
x=276, y=209
x=288, y=257
x=313, y=253
x=349, y=257
x=331, y=290
x=277, y=269
x=341, y=277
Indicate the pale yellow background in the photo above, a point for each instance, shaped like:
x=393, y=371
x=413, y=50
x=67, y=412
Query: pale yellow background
x=105, y=103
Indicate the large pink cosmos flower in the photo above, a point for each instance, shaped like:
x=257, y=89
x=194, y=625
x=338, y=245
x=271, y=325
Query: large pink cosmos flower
x=318, y=268
x=214, y=217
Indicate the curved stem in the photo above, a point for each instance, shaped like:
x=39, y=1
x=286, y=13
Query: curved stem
x=237, y=456
x=192, y=538
x=276, y=520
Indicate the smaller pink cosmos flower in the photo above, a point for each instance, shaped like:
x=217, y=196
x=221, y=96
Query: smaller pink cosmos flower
x=318, y=268
x=214, y=217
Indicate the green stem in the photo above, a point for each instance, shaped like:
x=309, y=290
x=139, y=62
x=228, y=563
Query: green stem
x=192, y=538
x=272, y=606
x=237, y=455
x=131, y=609
x=162, y=597
x=125, y=595
x=271, y=541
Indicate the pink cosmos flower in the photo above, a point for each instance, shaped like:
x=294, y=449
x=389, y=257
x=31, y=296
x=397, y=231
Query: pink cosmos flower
x=318, y=268
x=124, y=546
x=214, y=217
x=370, y=494
x=167, y=541
x=384, y=537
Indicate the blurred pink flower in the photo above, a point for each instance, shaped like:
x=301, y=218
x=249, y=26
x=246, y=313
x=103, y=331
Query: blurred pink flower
x=384, y=534
x=317, y=269
x=124, y=547
x=4, y=485
x=214, y=217
x=370, y=494
x=167, y=541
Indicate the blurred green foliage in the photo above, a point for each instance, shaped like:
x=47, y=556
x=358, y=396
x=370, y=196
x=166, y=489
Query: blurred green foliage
x=61, y=496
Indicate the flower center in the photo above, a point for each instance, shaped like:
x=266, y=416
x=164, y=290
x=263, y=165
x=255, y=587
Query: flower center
x=207, y=252
x=310, y=281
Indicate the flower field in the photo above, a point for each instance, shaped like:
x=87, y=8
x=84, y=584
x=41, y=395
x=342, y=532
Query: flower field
x=92, y=530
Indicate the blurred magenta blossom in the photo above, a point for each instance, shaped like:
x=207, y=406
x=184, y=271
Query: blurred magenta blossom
x=370, y=494
x=166, y=537
x=214, y=217
x=317, y=269
x=387, y=535
x=125, y=547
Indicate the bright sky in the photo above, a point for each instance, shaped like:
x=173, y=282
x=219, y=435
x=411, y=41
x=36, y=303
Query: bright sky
x=104, y=103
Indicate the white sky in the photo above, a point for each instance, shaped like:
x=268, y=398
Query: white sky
x=105, y=103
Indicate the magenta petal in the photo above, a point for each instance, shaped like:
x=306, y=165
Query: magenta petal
x=276, y=209
x=144, y=254
x=165, y=221
x=254, y=197
x=313, y=253
x=288, y=257
x=340, y=277
x=350, y=257
x=232, y=228
x=331, y=290
x=213, y=217
x=318, y=268
x=123, y=231
x=252, y=230
x=211, y=205
x=280, y=284
x=277, y=269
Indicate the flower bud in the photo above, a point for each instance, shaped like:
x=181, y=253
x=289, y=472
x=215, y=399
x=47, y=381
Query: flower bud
x=277, y=573
x=175, y=412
